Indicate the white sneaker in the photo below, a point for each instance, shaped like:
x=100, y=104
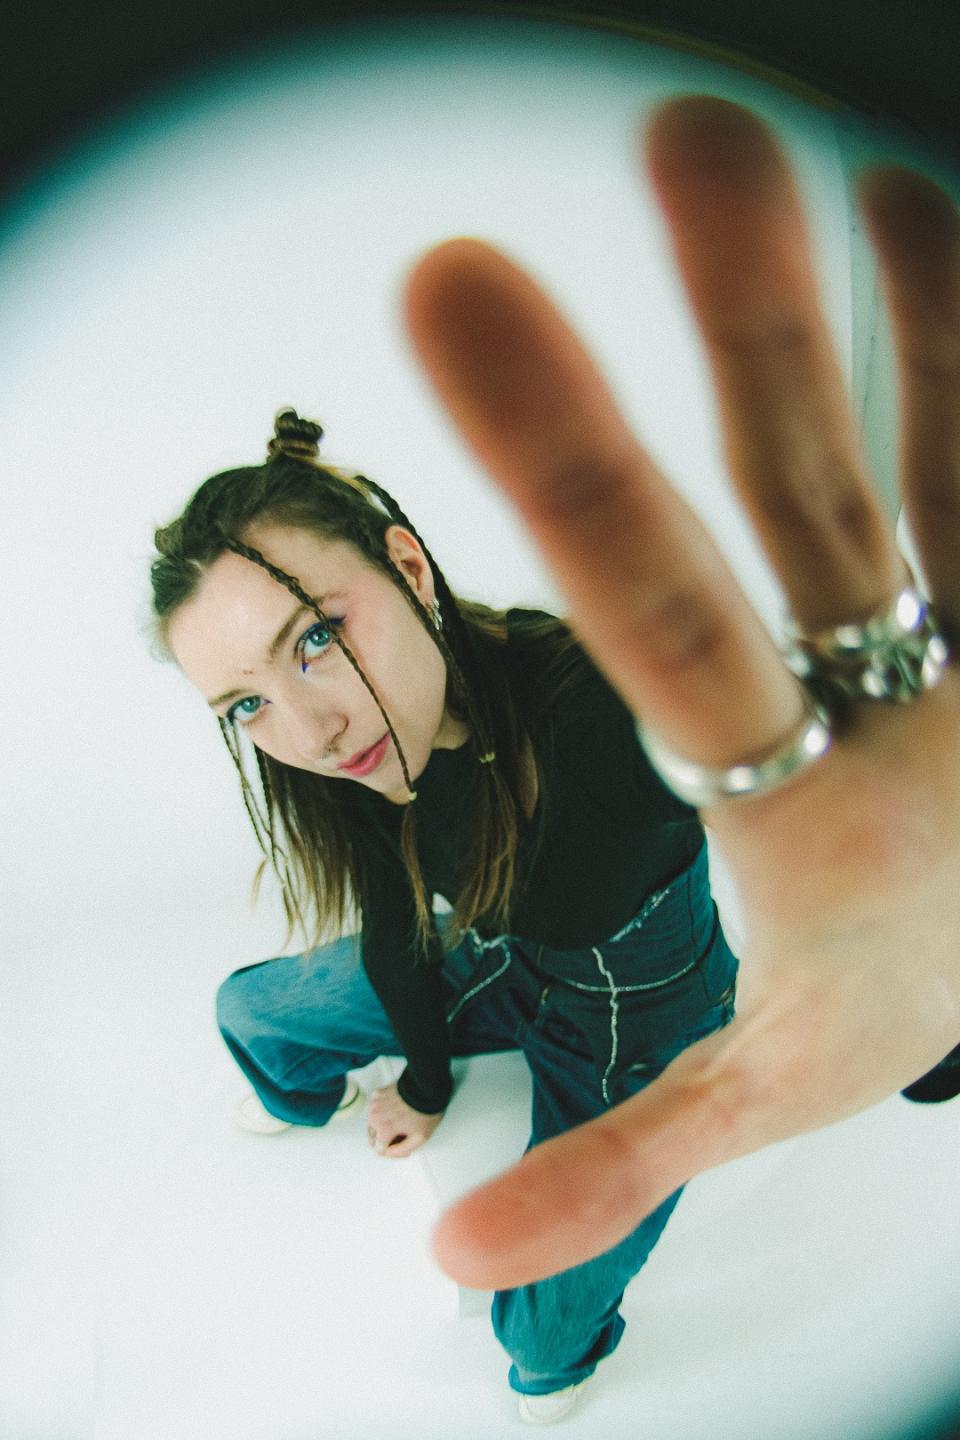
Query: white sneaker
x=252, y=1115
x=547, y=1409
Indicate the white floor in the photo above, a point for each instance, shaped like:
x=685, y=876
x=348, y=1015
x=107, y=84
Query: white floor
x=167, y=1277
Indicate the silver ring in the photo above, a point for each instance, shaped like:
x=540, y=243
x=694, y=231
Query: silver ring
x=700, y=785
x=894, y=656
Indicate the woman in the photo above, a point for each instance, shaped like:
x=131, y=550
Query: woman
x=412, y=744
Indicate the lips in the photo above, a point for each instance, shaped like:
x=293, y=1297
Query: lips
x=355, y=759
x=365, y=760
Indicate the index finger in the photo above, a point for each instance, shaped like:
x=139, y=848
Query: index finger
x=651, y=595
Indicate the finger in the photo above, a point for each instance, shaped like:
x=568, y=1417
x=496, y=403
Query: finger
x=575, y=1196
x=651, y=595
x=915, y=230
x=739, y=235
x=388, y=1139
x=402, y=1145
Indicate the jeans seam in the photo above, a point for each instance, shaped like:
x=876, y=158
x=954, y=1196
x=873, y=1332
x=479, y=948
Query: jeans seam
x=614, y=1015
x=469, y=994
x=650, y=985
x=646, y=910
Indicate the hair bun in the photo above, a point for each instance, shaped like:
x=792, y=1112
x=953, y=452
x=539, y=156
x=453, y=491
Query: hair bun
x=292, y=436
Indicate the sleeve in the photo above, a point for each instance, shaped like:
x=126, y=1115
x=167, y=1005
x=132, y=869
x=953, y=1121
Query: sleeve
x=408, y=986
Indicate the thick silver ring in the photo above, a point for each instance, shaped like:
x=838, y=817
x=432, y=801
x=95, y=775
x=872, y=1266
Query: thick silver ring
x=700, y=785
x=894, y=656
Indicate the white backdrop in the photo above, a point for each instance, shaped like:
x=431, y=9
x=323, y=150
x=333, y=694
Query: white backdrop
x=234, y=246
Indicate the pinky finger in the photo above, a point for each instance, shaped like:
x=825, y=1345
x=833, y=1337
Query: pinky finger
x=915, y=229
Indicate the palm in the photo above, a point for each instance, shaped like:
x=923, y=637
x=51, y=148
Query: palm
x=848, y=876
x=848, y=884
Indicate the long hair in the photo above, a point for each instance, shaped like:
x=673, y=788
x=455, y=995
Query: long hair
x=303, y=821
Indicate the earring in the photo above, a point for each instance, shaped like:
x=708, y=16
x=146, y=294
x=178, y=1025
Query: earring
x=435, y=615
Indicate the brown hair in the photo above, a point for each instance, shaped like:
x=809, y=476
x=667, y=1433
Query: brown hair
x=319, y=863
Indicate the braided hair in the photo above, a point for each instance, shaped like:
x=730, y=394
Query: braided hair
x=302, y=821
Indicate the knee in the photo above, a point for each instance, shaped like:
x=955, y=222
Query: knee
x=233, y=1007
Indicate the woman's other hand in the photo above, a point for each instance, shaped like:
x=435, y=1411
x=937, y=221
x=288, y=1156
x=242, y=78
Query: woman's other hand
x=393, y=1128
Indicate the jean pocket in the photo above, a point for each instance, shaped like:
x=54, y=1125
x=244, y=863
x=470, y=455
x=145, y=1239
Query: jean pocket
x=727, y=1003
x=638, y=1073
x=717, y=969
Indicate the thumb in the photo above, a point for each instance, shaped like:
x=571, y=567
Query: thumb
x=574, y=1196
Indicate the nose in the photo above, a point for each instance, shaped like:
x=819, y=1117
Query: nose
x=313, y=731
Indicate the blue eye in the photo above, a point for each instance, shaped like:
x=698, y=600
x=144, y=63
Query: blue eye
x=242, y=714
x=312, y=645
x=316, y=642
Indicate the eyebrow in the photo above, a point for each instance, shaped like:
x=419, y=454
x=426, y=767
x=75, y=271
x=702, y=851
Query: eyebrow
x=276, y=644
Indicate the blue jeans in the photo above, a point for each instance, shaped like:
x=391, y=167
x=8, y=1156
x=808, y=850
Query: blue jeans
x=595, y=1026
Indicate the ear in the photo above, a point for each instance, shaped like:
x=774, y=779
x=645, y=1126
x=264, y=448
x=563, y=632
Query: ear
x=406, y=552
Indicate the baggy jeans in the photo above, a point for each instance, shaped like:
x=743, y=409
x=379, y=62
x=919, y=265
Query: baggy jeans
x=595, y=1026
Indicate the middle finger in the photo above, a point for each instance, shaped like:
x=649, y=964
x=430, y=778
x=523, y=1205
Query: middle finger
x=739, y=235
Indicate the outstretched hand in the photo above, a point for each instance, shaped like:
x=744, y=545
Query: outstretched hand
x=849, y=875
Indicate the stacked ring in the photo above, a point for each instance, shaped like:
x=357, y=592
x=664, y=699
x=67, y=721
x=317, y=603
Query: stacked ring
x=893, y=657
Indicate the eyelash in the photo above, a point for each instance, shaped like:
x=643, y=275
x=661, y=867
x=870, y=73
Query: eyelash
x=333, y=623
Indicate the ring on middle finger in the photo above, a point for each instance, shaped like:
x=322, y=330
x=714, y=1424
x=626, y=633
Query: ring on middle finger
x=893, y=656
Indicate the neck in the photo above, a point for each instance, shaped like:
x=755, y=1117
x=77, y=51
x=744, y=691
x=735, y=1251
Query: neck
x=452, y=733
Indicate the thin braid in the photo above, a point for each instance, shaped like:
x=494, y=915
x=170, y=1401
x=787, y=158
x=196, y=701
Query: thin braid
x=298, y=592
x=260, y=826
x=437, y=637
x=481, y=724
x=268, y=798
x=486, y=743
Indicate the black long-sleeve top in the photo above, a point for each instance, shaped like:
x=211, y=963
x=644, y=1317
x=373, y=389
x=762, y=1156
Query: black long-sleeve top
x=614, y=833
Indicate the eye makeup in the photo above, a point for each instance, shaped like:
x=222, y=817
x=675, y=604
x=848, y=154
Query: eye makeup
x=319, y=634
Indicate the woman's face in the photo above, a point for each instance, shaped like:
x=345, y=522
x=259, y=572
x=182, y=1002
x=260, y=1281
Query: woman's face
x=265, y=662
